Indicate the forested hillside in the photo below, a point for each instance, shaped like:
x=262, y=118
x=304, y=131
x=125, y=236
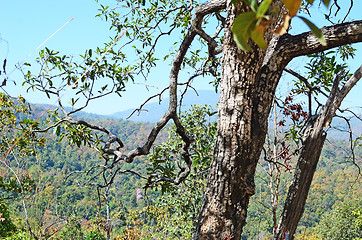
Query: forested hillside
x=336, y=181
x=61, y=205
x=59, y=186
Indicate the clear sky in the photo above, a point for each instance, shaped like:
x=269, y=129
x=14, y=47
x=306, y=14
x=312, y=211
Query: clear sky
x=24, y=25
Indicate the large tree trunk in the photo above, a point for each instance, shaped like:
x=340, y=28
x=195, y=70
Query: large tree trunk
x=246, y=94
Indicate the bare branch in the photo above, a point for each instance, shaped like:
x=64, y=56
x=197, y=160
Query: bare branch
x=308, y=85
x=140, y=108
x=349, y=10
x=352, y=112
x=351, y=146
x=348, y=86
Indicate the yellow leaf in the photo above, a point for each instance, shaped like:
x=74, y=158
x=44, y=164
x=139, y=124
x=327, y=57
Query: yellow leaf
x=258, y=37
x=292, y=6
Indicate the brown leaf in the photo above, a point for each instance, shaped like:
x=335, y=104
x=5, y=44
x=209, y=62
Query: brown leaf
x=292, y=6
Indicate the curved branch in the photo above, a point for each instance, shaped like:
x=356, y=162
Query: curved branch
x=357, y=75
x=200, y=12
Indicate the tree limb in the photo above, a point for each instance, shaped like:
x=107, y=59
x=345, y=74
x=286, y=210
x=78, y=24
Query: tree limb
x=307, y=43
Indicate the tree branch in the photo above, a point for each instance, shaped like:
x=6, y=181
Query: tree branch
x=200, y=12
x=307, y=43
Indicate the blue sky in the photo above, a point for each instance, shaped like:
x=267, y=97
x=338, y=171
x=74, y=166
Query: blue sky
x=24, y=25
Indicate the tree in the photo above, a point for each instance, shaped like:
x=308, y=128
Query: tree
x=313, y=137
x=6, y=225
x=14, y=181
x=344, y=222
x=72, y=230
x=247, y=81
x=183, y=203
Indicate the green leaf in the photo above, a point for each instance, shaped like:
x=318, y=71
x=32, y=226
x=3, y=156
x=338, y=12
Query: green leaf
x=264, y=6
x=258, y=37
x=241, y=29
x=90, y=52
x=316, y=31
x=57, y=131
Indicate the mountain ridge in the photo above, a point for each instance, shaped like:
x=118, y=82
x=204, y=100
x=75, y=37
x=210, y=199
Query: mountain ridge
x=152, y=112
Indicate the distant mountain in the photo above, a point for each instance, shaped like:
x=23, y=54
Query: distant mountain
x=37, y=109
x=340, y=129
x=152, y=112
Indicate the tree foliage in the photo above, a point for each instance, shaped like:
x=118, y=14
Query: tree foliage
x=343, y=222
x=7, y=227
x=248, y=81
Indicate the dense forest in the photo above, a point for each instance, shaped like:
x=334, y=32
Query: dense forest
x=62, y=200
x=267, y=162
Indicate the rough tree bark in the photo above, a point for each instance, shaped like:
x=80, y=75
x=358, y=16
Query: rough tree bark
x=247, y=90
x=246, y=94
x=313, y=140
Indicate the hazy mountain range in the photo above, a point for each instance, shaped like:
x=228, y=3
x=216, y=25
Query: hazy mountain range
x=152, y=112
